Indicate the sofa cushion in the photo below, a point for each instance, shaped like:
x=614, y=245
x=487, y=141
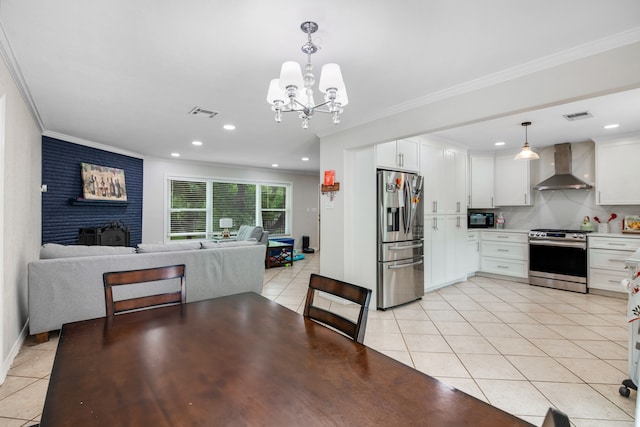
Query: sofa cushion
x=147, y=248
x=54, y=250
x=228, y=243
x=248, y=232
x=231, y=243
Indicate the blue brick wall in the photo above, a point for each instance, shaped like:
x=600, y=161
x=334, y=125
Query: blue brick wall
x=61, y=173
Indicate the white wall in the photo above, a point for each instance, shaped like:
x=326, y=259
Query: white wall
x=20, y=218
x=608, y=72
x=305, y=194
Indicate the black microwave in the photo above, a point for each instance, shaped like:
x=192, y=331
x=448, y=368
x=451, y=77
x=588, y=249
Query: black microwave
x=481, y=220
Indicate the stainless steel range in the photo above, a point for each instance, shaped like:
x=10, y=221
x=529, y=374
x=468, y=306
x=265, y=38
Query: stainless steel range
x=558, y=259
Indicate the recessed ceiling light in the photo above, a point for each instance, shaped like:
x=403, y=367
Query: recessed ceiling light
x=275, y=165
x=499, y=143
x=198, y=143
x=229, y=127
x=305, y=159
x=612, y=126
x=175, y=154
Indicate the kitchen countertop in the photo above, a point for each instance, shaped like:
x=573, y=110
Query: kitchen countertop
x=618, y=234
x=502, y=230
x=591, y=234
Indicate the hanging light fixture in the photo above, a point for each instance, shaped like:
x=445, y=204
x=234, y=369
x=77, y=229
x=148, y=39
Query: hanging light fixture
x=294, y=92
x=526, y=153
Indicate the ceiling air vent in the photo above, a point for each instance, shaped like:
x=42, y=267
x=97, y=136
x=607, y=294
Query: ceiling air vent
x=203, y=112
x=578, y=116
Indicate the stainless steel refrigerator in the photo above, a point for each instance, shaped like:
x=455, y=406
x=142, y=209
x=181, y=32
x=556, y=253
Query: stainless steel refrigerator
x=400, y=238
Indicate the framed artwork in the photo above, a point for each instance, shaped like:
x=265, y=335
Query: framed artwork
x=103, y=183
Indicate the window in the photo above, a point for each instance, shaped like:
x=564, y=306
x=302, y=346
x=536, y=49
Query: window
x=274, y=208
x=196, y=206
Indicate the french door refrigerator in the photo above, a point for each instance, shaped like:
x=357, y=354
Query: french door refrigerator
x=400, y=238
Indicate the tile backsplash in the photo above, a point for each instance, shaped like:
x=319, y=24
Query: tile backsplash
x=564, y=208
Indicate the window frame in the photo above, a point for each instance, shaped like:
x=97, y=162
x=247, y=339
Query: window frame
x=210, y=227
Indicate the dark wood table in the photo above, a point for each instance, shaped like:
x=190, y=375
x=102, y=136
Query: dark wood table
x=241, y=360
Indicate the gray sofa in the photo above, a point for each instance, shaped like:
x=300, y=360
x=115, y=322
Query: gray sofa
x=65, y=286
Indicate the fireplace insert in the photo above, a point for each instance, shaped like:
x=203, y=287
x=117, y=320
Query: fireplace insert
x=114, y=233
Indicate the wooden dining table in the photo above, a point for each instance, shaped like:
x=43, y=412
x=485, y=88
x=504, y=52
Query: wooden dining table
x=241, y=360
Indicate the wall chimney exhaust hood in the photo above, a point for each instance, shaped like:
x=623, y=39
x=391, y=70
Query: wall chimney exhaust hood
x=563, y=179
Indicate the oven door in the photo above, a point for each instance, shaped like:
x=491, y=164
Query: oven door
x=565, y=258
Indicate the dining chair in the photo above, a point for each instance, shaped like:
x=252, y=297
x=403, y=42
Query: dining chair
x=555, y=418
x=131, y=277
x=348, y=291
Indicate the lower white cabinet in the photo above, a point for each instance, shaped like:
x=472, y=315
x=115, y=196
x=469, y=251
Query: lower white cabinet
x=607, y=257
x=473, y=252
x=505, y=253
x=445, y=240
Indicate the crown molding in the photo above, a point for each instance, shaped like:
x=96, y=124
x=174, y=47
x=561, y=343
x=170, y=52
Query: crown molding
x=92, y=144
x=16, y=74
x=559, y=58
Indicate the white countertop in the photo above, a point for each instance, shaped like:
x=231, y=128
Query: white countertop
x=502, y=230
x=618, y=234
x=591, y=234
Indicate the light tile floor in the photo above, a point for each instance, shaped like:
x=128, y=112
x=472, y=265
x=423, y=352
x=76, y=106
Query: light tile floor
x=518, y=347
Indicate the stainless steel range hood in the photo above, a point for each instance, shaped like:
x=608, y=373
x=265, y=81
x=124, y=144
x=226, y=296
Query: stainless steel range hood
x=563, y=179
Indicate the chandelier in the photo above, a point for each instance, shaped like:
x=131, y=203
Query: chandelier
x=294, y=92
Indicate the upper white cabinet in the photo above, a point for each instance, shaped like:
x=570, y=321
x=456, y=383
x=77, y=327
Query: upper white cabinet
x=400, y=154
x=444, y=168
x=512, y=182
x=617, y=171
x=481, y=189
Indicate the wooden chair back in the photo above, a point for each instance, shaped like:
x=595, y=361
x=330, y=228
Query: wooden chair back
x=348, y=291
x=119, y=278
x=556, y=418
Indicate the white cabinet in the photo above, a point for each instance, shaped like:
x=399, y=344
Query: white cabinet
x=445, y=250
x=607, y=257
x=617, y=171
x=473, y=252
x=444, y=168
x=400, y=154
x=505, y=253
x=512, y=182
x=481, y=182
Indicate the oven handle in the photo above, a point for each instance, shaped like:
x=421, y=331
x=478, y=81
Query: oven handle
x=579, y=245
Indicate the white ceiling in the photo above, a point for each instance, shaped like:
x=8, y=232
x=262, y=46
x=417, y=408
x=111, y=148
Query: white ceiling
x=125, y=73
x=549, y=126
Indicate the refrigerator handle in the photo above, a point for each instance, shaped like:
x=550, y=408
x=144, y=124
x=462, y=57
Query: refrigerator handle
x=407, y=207
x=393, y=267
x=402, y=248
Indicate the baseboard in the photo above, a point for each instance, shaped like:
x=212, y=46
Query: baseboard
x=503, y=277
x=15, y=349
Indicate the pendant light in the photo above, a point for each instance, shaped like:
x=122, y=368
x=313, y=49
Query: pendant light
x=526, y=153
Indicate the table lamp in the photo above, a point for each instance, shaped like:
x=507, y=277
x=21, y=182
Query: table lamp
x=226, y=223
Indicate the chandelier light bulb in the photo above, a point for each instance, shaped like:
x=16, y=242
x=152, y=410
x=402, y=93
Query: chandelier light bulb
x=291, y=75
x=331, y=78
